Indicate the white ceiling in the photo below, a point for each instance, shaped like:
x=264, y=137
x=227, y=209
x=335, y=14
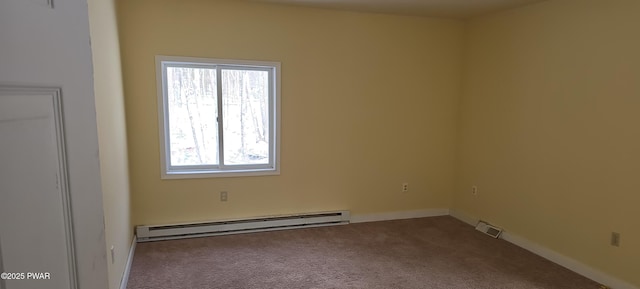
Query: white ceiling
x=432, y=8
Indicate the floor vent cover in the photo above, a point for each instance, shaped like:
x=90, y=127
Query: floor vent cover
x=488, y=229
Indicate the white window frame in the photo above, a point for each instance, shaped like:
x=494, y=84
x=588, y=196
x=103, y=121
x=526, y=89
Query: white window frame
x=221, y=170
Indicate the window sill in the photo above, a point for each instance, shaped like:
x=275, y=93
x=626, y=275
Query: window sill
x=218, y=174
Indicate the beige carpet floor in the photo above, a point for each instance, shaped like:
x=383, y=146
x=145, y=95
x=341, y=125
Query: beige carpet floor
x=438, y=252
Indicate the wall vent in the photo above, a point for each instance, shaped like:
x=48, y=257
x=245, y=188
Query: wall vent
x=262, y=224
x=488, y=229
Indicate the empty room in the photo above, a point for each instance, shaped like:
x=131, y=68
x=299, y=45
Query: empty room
x=329, y=144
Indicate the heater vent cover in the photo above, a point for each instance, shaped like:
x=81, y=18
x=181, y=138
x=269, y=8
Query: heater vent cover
x=488, y=229
x=260, y=224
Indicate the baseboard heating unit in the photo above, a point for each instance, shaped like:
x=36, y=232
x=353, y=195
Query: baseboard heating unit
x=261, y=224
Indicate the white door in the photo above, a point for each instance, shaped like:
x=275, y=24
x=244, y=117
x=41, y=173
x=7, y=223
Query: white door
x=34, y=220
x=51, y=219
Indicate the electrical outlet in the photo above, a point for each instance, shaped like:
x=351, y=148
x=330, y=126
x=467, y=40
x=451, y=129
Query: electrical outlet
x=113, y=254
x=223, y=196
x=474, y=191
x=615, y=239
x=405, y=187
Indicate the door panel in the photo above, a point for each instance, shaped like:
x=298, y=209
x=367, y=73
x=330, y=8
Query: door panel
x=34, y=216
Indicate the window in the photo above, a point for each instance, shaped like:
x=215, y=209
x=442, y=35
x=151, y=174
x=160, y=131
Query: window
x=218, y=117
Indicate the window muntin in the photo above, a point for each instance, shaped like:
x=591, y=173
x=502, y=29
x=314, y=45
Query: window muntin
x=217, y=117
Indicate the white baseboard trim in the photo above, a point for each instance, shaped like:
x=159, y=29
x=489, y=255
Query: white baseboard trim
x=464, y=217
x=567, y=262
x=553, y=256
x=127, y=267
x=398, y=215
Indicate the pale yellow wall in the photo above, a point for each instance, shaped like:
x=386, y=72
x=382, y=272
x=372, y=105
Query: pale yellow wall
x=368, y=102
x=549, y=128
x=111, y=135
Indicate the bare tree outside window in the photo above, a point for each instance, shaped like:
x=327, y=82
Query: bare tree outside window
x=192, y=99
x=245, y=100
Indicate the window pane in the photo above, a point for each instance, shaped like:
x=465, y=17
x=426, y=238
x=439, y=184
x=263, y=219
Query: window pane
x=192, y=107
x=245, y=100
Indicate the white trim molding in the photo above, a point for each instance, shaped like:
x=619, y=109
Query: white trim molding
x=399, y=215
x=464, y=217
x=553, y=256
x=127, y=268
x=50, y=97
x=2, y=283
x=569, y=263
x=220, y=167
